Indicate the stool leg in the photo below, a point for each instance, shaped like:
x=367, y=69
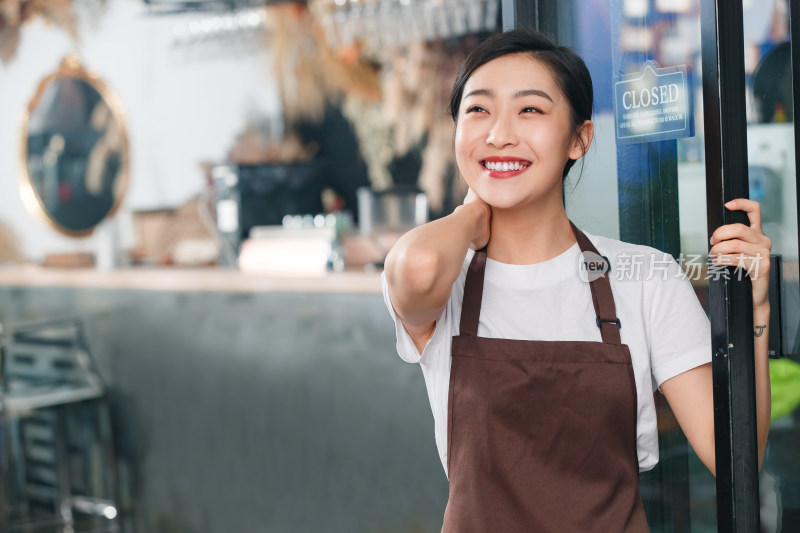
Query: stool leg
x=4, y=471
x=64, y=503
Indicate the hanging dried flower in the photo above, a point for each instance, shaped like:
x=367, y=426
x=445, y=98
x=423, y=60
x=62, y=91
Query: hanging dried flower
x=309, y=73
x=15, y=13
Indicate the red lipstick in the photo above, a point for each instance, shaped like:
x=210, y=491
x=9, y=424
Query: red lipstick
x=517, y=166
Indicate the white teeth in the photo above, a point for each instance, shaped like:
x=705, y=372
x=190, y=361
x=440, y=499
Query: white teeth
x=505, y=166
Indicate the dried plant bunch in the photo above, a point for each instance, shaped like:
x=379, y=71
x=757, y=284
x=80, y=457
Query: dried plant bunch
x=309, y=74
x=415, y=79
x=15, y=13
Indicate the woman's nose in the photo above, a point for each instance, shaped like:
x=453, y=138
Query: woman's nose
x=501, y=133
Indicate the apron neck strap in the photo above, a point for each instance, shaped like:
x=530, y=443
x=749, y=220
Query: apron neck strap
x=602, y=297
x=473, y=294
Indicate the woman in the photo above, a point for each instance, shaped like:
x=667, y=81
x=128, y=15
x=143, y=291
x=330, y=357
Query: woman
x=541, y=384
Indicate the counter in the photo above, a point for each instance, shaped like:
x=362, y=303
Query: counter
x=182, y=279
x=249, y=404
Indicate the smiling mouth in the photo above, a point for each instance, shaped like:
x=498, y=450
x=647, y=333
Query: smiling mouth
x=505, y=166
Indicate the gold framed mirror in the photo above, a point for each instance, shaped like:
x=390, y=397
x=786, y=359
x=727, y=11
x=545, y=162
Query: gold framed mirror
x=75, y=152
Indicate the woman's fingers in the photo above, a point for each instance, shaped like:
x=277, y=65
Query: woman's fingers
x=736, y=246
x=751, y=207
x=752, y=234
x=754, y=258
x=483, y=230
x=744, y=246
x=737, y=231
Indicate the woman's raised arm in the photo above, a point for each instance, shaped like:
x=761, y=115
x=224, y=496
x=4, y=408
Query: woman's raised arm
x=690, y=395
x=422, y=266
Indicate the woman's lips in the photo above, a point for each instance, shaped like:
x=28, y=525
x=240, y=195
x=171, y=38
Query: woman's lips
x=501, y=168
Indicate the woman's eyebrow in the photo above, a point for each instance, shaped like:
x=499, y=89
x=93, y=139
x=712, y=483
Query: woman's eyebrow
x=519, y=94
x=532, y=92
x=480, y=92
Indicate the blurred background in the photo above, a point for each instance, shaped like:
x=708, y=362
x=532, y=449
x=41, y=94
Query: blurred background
x=196, y=199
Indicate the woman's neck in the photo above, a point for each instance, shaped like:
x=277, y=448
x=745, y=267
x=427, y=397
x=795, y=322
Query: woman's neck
x=530, y=235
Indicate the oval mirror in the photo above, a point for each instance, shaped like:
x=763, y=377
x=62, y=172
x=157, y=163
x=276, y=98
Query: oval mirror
x=74, y=151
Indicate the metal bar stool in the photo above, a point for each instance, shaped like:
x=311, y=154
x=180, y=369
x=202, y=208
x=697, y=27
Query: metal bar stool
x=56, y=449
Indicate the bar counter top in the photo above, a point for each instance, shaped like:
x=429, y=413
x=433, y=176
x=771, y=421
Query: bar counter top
x=189, y=280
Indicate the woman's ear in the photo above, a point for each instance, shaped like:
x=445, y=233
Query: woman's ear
x=582, y=140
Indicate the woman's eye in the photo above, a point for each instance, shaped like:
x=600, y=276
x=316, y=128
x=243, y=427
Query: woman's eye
x=475, y=109
x=530, y=109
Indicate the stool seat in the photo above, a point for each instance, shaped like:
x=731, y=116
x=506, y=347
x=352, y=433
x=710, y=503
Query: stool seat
x=21, y=400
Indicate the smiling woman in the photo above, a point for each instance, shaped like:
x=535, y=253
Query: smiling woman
x=543, y=404
x=514, y=118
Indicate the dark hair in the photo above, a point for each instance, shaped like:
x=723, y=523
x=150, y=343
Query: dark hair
x=570, y=72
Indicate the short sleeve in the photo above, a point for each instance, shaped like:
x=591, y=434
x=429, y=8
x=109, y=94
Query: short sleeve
x=405, y=345
x=679, y=330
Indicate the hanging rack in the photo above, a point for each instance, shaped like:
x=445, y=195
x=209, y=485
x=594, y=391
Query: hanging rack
x=387, y=24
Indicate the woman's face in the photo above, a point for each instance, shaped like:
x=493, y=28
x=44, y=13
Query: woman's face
x=514, y=134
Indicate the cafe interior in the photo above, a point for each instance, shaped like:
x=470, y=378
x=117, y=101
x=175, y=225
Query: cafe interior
x=196, y=200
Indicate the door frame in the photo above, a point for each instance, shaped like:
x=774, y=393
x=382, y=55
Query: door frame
x=730, y=298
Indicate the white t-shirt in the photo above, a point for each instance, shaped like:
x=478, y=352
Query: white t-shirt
x=663, y=323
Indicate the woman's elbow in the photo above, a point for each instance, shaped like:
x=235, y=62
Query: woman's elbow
x=413, y=269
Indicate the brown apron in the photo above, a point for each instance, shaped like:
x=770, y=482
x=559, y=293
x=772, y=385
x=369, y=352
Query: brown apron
x=541, y=435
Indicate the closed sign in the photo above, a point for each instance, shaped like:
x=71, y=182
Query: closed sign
x=653, y=104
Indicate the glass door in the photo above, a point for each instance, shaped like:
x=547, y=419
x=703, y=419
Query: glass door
x=771, y=154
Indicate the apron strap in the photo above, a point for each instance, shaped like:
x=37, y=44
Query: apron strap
x=473, y=294
x=602, y=297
